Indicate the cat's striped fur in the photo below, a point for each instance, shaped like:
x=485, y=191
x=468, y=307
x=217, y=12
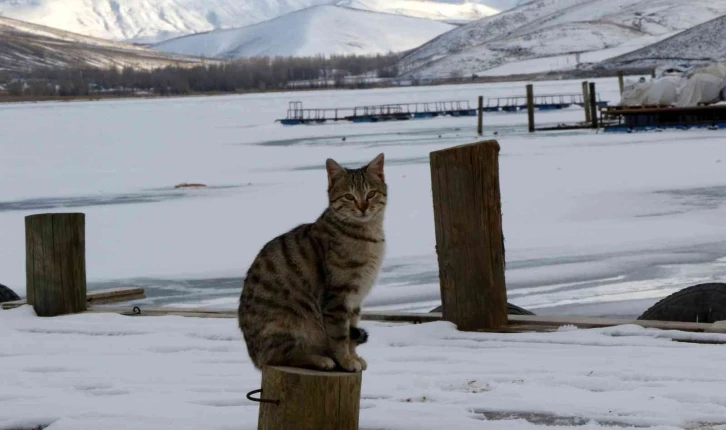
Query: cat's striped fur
x=300, y=304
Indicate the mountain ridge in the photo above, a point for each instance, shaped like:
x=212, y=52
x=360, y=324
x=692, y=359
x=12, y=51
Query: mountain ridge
x=26, y=46
x=322, y=29
x=152, y=21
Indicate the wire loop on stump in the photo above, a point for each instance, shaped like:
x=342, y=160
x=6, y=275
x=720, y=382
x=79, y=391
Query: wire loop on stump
x=260, y=400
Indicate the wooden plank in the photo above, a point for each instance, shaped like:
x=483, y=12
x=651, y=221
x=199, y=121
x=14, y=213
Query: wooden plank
x=516, y=323
x=167, y=311
x=232, y=313
x=410, y=317
x=469, y=238
x=12, y=305
x=111, y=295
x=115, y=295
x=717, y=327
x=594, y=322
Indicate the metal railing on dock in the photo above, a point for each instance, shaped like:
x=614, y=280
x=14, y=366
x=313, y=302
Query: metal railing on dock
x=297, y=114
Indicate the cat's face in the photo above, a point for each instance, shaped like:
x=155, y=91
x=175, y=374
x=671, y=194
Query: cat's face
x=357, y=194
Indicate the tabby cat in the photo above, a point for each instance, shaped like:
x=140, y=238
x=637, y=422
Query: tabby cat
x=300, y=304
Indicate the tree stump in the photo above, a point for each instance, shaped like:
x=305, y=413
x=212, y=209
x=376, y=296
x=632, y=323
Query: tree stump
x=469, y=237
x=55, y=263
x=309, y=400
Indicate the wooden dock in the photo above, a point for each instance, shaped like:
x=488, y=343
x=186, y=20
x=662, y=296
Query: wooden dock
x=649, y=118
x=543, y=102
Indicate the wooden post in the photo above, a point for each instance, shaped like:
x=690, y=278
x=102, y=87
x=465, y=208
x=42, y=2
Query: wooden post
x=593, y=105
x=309, y=400
x=621, y=81
x=55, y=263
x=530, y=107
x=652, y=74
x=586, y=101
x=469, y=238
x=480, y=120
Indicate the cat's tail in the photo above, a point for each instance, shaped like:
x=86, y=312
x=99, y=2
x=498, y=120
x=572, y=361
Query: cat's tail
x=358, y=335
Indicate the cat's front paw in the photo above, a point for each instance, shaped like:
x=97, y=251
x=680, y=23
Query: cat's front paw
x=351, y=364
x=363, y=363
x=324, y=363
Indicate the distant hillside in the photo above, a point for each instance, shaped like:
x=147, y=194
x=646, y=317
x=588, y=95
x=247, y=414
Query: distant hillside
x=703, y=43
x=546, y=35
x=151, y=21
x=24, y=46
x=312, y=31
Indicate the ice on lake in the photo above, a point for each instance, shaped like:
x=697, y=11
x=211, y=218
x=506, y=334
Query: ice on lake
x=595, y=224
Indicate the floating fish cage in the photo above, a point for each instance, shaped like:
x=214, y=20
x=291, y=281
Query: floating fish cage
x=649, y=118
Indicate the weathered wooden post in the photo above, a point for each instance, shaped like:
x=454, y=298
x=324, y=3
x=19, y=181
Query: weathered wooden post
x=469, y=238
x=300, y=399
x=55, y=263
x=593, y=105
x=480, y=119
x=530, y=107
x=586, y=101
x=621, y=81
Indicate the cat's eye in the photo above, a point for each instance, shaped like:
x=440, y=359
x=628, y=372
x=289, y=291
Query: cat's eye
x=371, y=194
x=350, y=196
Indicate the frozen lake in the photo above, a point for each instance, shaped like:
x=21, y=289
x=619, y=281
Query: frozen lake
x=595, y=224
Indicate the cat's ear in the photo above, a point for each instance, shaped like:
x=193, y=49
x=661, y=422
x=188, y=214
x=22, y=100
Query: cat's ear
x=376, y=167
x=334, y=170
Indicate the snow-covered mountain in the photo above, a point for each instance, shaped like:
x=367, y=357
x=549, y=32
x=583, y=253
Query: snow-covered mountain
x=157, y=20
x=703, y=43
x=453, y=11
x=24, y=46
x=147, y=20
x=312, y=31
x=557, y=34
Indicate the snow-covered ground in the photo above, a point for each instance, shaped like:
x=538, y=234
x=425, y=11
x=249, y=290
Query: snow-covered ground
x=113, y=372
x=595, y=224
